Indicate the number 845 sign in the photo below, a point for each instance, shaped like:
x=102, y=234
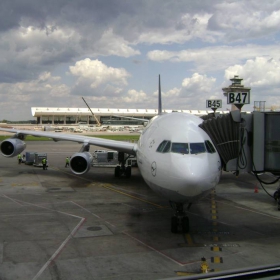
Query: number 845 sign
x=238, y=98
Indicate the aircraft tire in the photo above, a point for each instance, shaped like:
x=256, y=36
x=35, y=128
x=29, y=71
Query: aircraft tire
x=276, y=194
x=117, y=171
x=128, y=172
x=185, y=224
x=174, y=224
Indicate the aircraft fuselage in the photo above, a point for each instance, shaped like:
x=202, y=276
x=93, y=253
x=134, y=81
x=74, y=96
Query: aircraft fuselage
x=175, y=160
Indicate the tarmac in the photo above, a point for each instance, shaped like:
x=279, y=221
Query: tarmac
x=56, y=225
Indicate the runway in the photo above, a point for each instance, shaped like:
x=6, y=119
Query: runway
x=56, y=225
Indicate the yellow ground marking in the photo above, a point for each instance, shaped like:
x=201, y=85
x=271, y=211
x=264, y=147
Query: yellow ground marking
x=25, y=184
x=182, y=273
x=214, y=217
x=108, y=186
x=217, y=260
x=189, y=240
x=216, y=249
x=214, y=212
x=214, y=206
x=216, y=238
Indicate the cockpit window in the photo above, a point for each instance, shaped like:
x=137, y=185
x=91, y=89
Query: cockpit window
x=164, y=147
x=209, y=147
x=180, y=148
x=197, y=148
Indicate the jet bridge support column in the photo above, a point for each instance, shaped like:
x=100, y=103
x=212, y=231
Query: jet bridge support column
x=266, y=144
x=243, y=162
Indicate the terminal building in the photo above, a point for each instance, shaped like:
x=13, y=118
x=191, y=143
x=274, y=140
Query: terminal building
x=111, y=116
x=105, y=116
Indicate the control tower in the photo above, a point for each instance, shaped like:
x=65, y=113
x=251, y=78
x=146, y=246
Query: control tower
x=236, y=87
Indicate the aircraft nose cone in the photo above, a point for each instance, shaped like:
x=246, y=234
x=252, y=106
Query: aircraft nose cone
x=196, y=174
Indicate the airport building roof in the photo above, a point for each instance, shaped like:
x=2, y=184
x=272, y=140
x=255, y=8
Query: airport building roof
x=46, y=111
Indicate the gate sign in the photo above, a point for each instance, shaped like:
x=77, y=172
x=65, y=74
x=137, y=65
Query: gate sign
x=238, y=98
x=214, y=103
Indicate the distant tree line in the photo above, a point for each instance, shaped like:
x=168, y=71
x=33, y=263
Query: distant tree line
x=19, y=122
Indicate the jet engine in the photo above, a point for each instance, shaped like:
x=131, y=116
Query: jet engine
x=12, y=147
x=80, y=163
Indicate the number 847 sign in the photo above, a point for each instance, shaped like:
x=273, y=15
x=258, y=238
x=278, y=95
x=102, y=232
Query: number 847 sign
x=238, y=98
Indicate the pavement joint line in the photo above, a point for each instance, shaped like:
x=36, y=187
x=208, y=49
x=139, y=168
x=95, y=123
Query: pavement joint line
x=14, y=200
x=85, y=209
x=110, y=224
x=159, y=252
x=63, y=244
x=60, y=248
x=39, y=206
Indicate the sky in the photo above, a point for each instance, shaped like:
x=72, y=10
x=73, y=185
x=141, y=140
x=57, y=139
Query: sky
x=111, y=52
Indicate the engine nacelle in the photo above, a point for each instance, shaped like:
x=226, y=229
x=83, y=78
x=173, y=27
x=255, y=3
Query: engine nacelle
x=80, y=163
x=12, y=147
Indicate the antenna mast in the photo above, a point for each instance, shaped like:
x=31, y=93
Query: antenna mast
x=159, y=97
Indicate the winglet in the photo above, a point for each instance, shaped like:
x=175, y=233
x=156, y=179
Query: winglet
x=159, y=97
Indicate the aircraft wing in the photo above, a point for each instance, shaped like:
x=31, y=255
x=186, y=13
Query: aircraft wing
x=120, y=146
x=132, y=118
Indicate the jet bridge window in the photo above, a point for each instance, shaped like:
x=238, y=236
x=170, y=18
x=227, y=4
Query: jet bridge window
x=197, y=148
x=209, y=147
x=164, y=147
x=180, y=148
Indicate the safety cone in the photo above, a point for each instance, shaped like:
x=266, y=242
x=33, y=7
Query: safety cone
x=256, y=189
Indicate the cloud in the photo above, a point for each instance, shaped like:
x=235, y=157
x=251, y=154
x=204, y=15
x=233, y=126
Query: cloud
x=194, y=41
x=262, y=76
x=96, y=78
x=46, y=90
x=260, y=72
x=243, y=20
x=112, y=44
x=215, y=58
x=197, y=84
x=185, y=28
x=134, y=96
x=192, y=94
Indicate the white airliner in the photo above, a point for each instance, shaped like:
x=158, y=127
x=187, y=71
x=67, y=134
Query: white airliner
x=176, y=158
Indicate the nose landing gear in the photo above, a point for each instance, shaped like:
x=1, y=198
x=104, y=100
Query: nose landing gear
x=180, y=219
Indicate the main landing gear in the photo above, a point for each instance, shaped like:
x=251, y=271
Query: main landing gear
x=180, y=219
x=277, y=198
x=122, y=169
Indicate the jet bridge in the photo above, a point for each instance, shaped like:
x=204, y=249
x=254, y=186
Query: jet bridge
x=246, y=142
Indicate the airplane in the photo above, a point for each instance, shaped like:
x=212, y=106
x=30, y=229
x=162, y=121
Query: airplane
x=176, y=158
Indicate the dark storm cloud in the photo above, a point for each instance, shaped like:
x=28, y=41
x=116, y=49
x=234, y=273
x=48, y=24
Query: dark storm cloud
x=37, y=35
x=39, y=13
x=12, y=12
